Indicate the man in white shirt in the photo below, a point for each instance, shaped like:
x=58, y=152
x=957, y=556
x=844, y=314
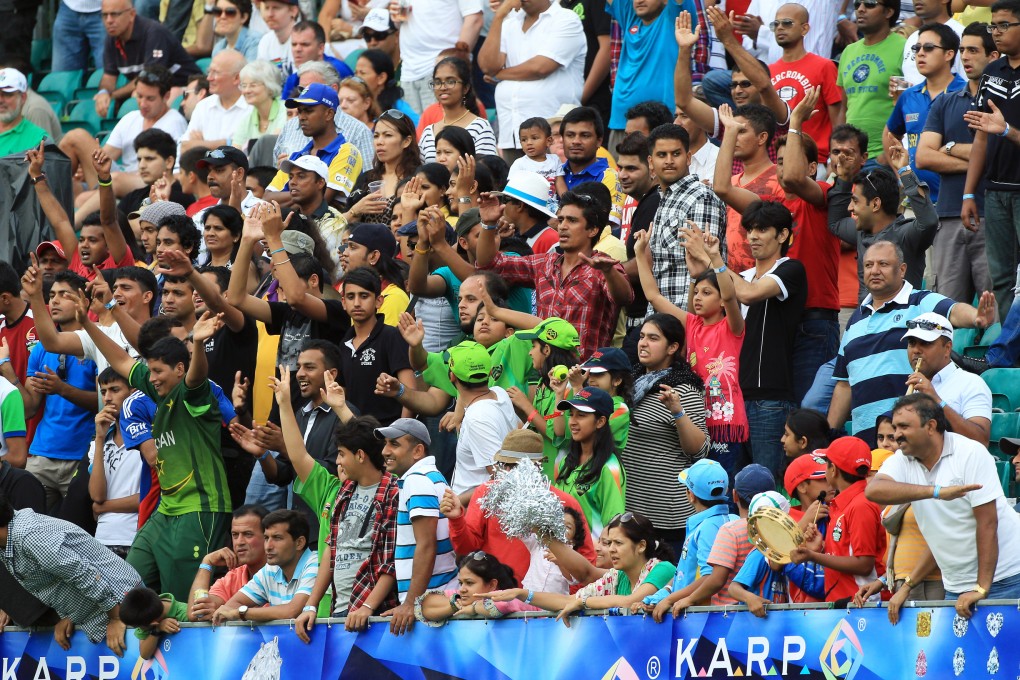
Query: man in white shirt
x=965, y=398
x=954, y=490
x=536, y=54
x=929, y=11
x=703, y=153
x=427, y=28
x=274, y=47
x=217, y=116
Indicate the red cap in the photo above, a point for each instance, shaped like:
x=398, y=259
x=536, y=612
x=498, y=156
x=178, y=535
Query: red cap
x=46, y=245
x=802, y=468
x=850, y=454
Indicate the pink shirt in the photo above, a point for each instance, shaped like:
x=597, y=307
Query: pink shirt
x=730, y=549
x=231, y=583
x=713, y=351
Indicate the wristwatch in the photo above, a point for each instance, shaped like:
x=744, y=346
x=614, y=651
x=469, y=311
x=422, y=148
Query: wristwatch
x=242, y=612
x=949, y=148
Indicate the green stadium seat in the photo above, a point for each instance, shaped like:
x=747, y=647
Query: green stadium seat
x=58, y=88
x=1003, y=425
x=352, y=59
x=84, y=115
x=1005, y=382
x=42, y=54
x=203, y=64
x=1006, y=476
x=91, y=86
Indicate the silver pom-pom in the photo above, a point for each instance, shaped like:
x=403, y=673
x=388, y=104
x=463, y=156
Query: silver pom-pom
x=522, y=502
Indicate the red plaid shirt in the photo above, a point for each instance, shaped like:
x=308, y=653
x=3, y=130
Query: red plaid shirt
x=582, y=297
x=384, y=541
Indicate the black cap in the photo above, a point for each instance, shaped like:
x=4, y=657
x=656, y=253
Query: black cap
x=223, y=155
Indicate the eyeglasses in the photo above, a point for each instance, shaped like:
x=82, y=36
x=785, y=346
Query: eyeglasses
x=372, y=36
x=113, y=15
x=926, y=325
x=226, y=11
x=1002, y=26
x=926, y=48
x=870, y=4
x=743, y=84
x=444, y=84
x=785, y=23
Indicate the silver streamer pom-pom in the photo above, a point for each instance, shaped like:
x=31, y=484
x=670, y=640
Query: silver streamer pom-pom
x=521, y=500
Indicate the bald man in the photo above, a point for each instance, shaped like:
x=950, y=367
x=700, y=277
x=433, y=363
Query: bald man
x=217, y=116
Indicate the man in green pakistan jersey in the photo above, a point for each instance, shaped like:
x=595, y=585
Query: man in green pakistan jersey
x=194, y=507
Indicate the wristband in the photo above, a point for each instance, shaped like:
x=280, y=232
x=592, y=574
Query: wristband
x=981, y=591
x=465, y=200
x=264, y=456
x=842, y=17
x=278, y=250
x=5, y=360
x=107, y=183
x=907, y=582
x=902, y=171
x=793, y=132
x=720, y=270
x=531, y=416
x=401, y=391
x=490, y=227
x=111, y=304
x=531, y=595
x=207, y=567
x=309, y=608
x=971, y=197
x=935, y=492
x=103, y=91
x=1005, y=132
x=423, y=252
x=942, y=404
x=281, y=262
x=680, y=414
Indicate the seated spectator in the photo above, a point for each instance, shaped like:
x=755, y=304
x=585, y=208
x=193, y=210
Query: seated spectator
x=245, y=557
x=280, y=16
x=260, y=87
x=357, y=100
x=49, y=557
x=157, y=155
x=805, y=482
x=451, y=81
x=480, y=573
x=151, y=615
x=227, y=179
x=216, y=117
x=396, y=158
x=965, y=398
x=452, y=144
x=17, y=133
x=229, y=20
x=13, y=444
x=280, y=589
x=376, y=68
x=308, y=44
x=194, y=183
x=609, y=369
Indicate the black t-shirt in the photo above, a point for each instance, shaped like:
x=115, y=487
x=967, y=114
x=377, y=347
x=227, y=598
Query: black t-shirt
x=641, y=220
x=766, y=357
x=294, y=328
x=384, y=351
x=998, y=84
x=227, y=353
x=150, y=42
x=596, y=23
x=132, y=200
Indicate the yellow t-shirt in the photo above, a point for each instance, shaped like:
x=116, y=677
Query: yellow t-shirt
x=395, y=303
x=344, y=161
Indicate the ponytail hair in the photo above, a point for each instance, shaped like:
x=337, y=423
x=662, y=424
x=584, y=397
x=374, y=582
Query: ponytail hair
x=488, y=568
x=639, y=528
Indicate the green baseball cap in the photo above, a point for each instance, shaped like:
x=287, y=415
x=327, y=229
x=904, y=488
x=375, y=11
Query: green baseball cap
x=553, y=331
x=470, y=361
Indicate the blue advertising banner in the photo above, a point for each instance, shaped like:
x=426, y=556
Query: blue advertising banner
x=829, y=644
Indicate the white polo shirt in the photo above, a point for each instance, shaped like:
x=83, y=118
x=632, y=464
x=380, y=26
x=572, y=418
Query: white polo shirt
x=949, y=527
x=214, y=121
x=964, y=392
x=557, y=35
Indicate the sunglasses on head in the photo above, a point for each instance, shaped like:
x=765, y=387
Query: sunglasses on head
x=623, y=518
x=744, y=84
x=925, y=325
x=479, y=556
x=150, y=78
x=395, y=114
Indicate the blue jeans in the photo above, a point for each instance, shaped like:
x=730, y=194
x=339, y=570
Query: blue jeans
x=1005, y=350
x=816, y=342
x=1002, y=230
x=1006, y=589
x=819, y=396
x=766, y=419
x=76, y=35
x=443, y=447
x=716, y=86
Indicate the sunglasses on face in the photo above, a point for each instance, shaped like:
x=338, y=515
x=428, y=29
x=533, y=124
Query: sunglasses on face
x=226, y=12
x=870, y=4
x=785, y=23
x=926, y=48
x=742, y=84
x=372, y=36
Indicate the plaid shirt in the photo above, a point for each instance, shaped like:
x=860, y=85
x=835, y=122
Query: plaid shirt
x=615, y=51
x=582, y=297
x=384, y=541
x=702, y=52
x=687, y=199
x=67, y=569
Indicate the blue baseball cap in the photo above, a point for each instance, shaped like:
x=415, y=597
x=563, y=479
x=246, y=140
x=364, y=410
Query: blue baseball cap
x=753, y=480
x=589, y=400
x=315, y=94
x=607, y=359
x=706, y=479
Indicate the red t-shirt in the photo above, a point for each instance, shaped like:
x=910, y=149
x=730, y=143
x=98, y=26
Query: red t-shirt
x=817, y=248
x=231, y=583
x=109, y=263
x=200, y=205
x=792, y=78
x=849, y=283
x=21, y=338
x=855, y=528
x=766, y=185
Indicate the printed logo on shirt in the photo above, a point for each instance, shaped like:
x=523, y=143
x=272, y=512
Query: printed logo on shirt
x=837, y=530
x=683, y=552
x=861, y=73
x=787, y=93
x=157, y=54
x=368, y=357
x=495, y=373
x=912, y=117
x=633, y=30
x=135, y=429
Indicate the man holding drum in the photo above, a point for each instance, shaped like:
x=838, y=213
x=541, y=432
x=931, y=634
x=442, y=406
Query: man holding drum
x=954, y=490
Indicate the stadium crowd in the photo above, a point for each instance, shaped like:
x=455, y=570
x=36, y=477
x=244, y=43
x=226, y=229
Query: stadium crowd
x=300, y=308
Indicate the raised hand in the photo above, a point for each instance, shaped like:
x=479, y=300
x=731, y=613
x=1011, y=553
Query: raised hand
x=175, y=263
x=102, y=163
x=31, y=280
x=207, y=326
x=450, y=505
x=239, y=394
x=411, y=198
x=334, y=395
x=252, y=229
x=685, y=37
x=640, y=241
x=806, y=107
x=490, y=210
x=722, y=23
x=270, y=215
x=670, y=398
x=245, y=438
x=160, y=190
x=577, y=377
x=897, y=155
x=281, y=386
x=98, y=288
x=727, y=120
x=411, y=329
x=35, y=158
x=387, y=386
x=992, y=123
x=986, y=310
x=599, y=260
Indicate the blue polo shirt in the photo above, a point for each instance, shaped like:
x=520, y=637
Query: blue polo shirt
x=946, y=118
x=909, y=117
x=873, y=354
x=702, y=528
x=65, y=430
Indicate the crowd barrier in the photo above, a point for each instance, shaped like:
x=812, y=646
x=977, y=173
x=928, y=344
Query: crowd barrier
x=930, y=641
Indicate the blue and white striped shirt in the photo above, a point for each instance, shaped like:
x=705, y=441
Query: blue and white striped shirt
x=421, y=489
x=270, y=587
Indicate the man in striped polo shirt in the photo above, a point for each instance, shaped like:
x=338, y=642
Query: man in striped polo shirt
x=872, y=366
x=424, y=556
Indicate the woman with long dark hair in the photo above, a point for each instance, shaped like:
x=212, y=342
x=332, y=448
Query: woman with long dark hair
x=396, y=157
x=452, y=144
x=376, y=69
x=451, y=83
x=588, y=468
x=667, y=428
x=480, y=574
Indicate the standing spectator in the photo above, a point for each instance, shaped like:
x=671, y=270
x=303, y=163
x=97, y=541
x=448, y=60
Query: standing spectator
x=131, y=43
x=68, y=570
x=13, y=447
x=274, y=47
x=536, y=54
x=582, y=132
x=17, y=329
x=935, y=55
x=667, y=432
x=17, y=133
x=865, y=68
x=993, y=157
x=248, y=555
x=426, y=29
x=958, y=254
x=642, y=191
x=424, y=556
x=78, y=33
x=216, y=117
x=929, y=12
x=703, y=152
x=773, y=292
x=597, y=24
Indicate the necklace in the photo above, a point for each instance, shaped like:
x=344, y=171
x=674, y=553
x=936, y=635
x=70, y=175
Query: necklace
x=459, y=118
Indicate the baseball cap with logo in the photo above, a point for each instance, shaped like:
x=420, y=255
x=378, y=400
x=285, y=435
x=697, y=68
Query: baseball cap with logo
x=50, y=245
x=801, y=469
x=850, y=454
x=768, y=499
x=378, y=21
x=607, y=359
x=553, y=331
x=470, y=362
x=223, y=155
x=297, y=242
x=928, y=327
x=12, y=80
x=589, y=400
x=706, y=479
x=315, y=94
x=307, y=162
